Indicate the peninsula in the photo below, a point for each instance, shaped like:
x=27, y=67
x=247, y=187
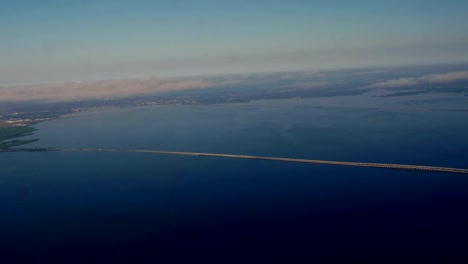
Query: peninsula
x=8, y=132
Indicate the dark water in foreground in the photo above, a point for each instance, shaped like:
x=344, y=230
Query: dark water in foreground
x=133, y=207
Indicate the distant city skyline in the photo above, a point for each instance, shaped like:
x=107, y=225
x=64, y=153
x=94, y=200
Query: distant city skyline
x=49, y=40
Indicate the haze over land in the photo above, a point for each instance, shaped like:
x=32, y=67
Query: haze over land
x=444, y=76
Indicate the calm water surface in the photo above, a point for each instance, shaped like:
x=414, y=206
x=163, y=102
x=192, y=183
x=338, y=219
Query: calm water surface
x=131, y=206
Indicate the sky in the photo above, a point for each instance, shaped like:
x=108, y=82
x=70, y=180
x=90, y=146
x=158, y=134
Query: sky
x=53, y=41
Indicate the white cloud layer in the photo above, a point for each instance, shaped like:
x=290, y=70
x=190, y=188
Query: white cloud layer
x=69, y=91
x=101, y=89
x=430, y=78
x=445, y=77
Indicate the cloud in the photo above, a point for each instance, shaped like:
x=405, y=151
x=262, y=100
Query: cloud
x=370, y=72
x=425, y=79
x=69, y=91
x=307, y=85
x=445, y=77
x=394, y=83
x=101, y=89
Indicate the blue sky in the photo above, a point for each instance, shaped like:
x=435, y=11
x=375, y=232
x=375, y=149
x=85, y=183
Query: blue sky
x=51, y=40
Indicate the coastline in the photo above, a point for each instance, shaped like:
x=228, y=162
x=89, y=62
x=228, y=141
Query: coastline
x=10, y=133
x=26, y=119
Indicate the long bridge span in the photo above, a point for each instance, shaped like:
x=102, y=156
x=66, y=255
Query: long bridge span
x=233, y=156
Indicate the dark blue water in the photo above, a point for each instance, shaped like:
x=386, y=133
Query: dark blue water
x=142, y=207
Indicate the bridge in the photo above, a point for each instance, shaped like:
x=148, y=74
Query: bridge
x=233, y=156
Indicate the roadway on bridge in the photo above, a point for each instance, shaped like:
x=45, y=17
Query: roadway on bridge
x=233, y=156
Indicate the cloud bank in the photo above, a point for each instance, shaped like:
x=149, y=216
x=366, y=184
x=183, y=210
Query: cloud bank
x=102, y=89
x=445, y=77
x=425, y=79
x=70, y=91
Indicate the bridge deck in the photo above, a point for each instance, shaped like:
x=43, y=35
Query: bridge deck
x=328, y=162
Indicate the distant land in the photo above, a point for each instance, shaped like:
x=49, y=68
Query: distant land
x=23, y=106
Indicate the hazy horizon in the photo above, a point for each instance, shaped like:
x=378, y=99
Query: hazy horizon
x=51, y=41
x=370, y=78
